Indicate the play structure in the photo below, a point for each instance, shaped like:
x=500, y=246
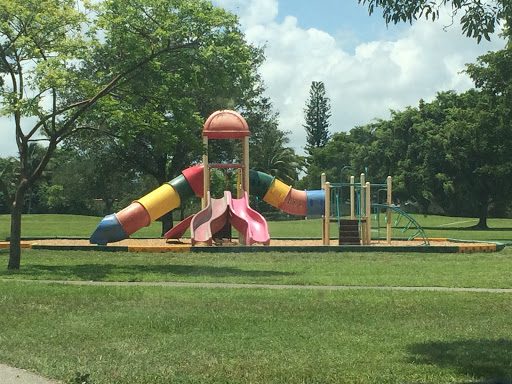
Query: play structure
x=217, y=214
x=362, y=208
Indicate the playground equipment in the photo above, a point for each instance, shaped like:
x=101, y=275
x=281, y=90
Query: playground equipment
x=252, y=227
x=361, y=209
x=196, y=181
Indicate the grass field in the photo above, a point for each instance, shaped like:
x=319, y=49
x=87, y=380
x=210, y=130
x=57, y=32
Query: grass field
x=64, y=225
x=485, y=270
x=435, y=226
x=204, y=335
x=143, y=334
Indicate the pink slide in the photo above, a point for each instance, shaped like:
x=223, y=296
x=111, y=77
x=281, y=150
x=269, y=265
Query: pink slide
x=179, y=229
x=209, y=221
x=247, y=221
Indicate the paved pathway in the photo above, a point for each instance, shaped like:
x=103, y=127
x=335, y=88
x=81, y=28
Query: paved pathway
x=10, y=375
x=266, y=286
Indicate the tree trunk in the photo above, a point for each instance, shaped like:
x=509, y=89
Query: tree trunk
x=15, y=239
x=109, y=204
x=167, y=222
x=29, y=201
x=482, y=219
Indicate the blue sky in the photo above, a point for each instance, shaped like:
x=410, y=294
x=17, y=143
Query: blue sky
x=367, y=68
x=330, y=15
x=336, y=17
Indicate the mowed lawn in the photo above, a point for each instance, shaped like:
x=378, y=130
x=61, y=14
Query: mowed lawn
x=158, y=334
x=229, y=335
x=480, y=270
x=435, y=227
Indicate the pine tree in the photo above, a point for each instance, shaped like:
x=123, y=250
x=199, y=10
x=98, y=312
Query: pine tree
x=317, y=114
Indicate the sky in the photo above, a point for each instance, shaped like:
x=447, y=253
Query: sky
x=367, y=68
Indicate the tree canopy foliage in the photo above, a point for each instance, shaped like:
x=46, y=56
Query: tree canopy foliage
x=145, y=72
x=479, y=19
x=451, y=152
x=316, y=115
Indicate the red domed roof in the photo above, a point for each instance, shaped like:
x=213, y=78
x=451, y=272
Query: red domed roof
x=226, y=124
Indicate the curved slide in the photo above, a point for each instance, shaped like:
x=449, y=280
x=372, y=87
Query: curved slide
x=210, y=220
x=142, y=212
x=248, y=221
x=179, y=229
x=242, y=217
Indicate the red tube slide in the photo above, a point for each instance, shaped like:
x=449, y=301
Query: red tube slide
x=295, y=203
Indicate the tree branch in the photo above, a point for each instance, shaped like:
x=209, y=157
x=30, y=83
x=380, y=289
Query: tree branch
x=86, y=128
x=82, y=106
x=116, y=80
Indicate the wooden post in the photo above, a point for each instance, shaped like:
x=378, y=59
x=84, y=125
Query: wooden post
x=206, y=172
x=239, y=189
x=362, y=199
x=352, y=196
x=323, y=179
x=245, y=154
x=327, y=214
x=368, y=215
x=388, y=213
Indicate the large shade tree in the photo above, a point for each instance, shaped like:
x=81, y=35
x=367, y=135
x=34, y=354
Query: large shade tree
x=46, y=50
x=270, y=152
x=41, y=45
x=154, y=122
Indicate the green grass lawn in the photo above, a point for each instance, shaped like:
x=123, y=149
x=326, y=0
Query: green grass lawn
x=435, y=226
x=487, y=270
x=201, y=335
x=141, y=334
x=65, y=225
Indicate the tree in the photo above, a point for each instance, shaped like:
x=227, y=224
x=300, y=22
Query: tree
x=317, y=114
x=154, y=122
x=492, y=75
x=38, y=39
x=453, y=151
x=91, y=181
x=479, y=20
x=269, y=151
x=330, y=159
x=46, y=48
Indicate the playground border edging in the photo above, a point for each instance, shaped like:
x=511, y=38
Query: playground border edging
x=461, y=247
x=326, y=248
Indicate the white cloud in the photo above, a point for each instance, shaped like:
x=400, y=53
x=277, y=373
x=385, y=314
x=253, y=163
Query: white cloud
x=7, y=138
x=363, y=85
